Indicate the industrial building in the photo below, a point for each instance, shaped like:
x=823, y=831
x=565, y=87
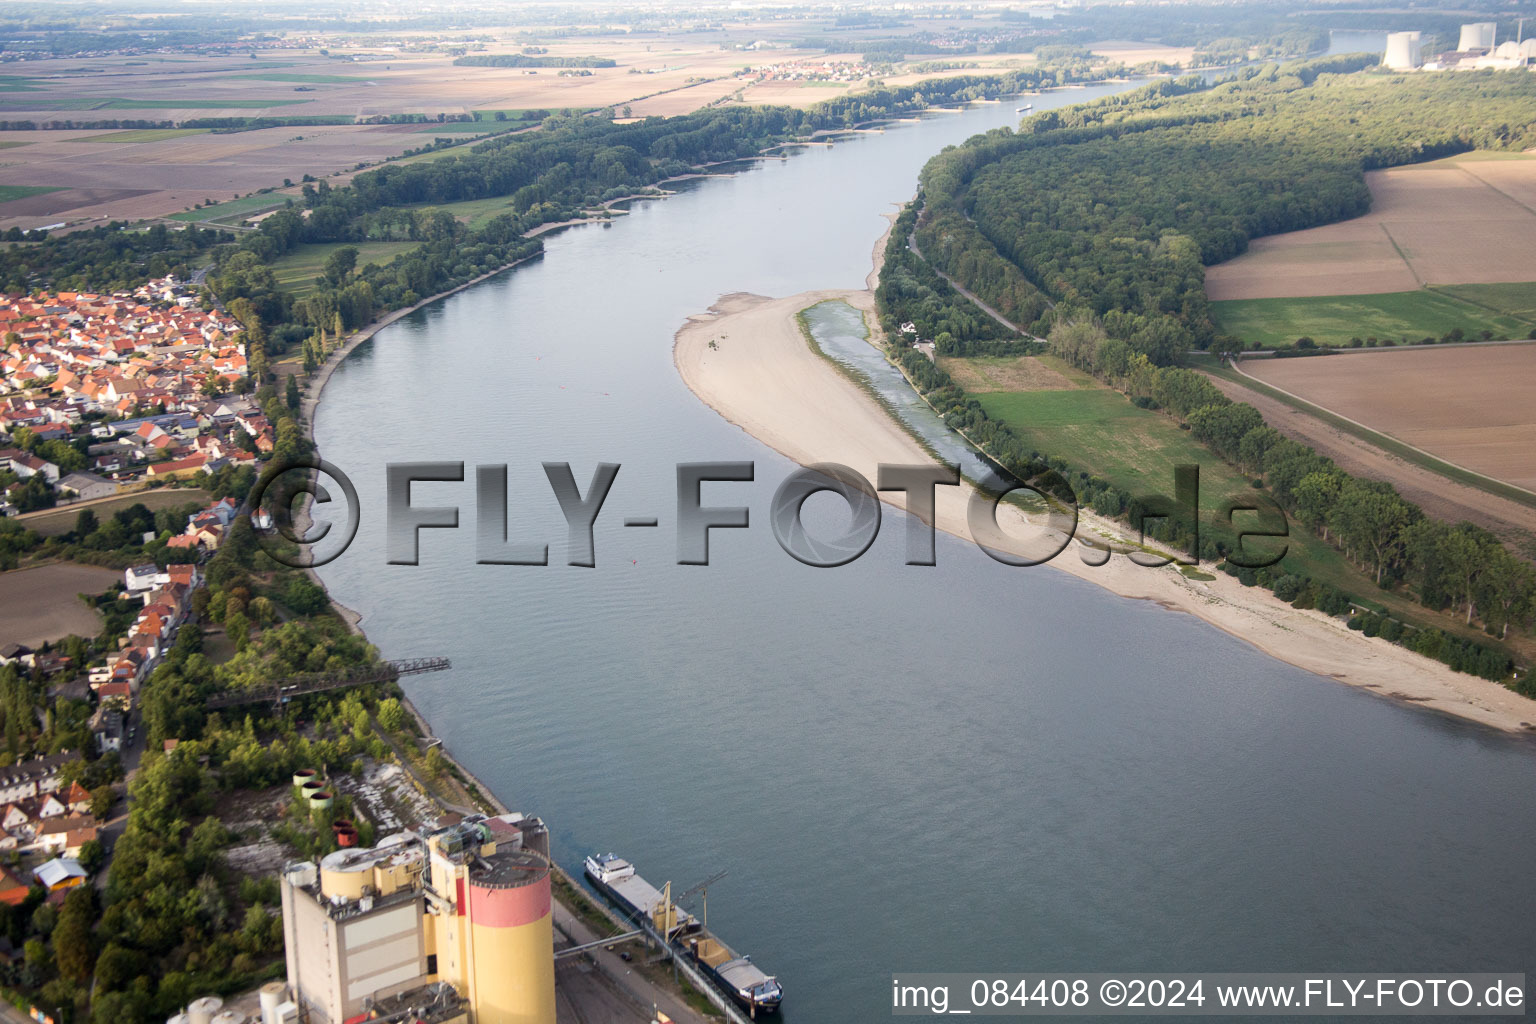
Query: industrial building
x=1478, y=49
x=1403, y=51
x=449, y=925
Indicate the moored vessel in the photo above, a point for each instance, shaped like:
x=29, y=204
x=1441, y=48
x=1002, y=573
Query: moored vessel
x=615, y=878
x=744, y=981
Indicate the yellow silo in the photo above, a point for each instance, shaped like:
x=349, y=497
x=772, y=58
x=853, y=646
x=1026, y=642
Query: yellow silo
x=511, y=936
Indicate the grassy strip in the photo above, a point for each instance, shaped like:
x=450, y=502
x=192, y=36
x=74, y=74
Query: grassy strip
x=1506, y=299
x=143, y=135
x=1332, y=320
x=310, y=79
x=245, y=206
x=118, y=103
x=9, y=192
x=1406, y=452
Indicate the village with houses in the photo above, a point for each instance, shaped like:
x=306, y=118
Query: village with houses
x=104, y=398
x=147, y=386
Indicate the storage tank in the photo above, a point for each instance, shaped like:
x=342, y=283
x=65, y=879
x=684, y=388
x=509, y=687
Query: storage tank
x=1477, y=36
x=201, y=1011
x=304, y=775
x=346, y=873
x=310, y=788
x=512, y=938
x=179, y=1018
x=228, y=1017
x=271, y=997
x=320, y=799
x=1402, y=51
x=346, y=837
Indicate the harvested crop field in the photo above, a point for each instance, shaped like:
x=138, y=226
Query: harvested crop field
x=42, y=604
x=1007, y=373
x=1438, y=495
x=62, y=200
x=1469, y=406
x=1467, y=220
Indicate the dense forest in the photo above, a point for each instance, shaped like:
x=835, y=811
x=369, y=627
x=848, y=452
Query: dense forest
x=1111, y=210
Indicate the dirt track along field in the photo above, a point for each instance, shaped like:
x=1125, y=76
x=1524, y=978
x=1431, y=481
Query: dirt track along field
x=1469, y=406
x=1439, y=496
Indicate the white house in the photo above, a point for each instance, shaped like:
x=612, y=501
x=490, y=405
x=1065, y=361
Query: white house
x=139, y=578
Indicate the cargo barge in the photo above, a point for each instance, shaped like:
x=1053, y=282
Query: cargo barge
x=744, y=981
x=615, y=878
x=737, y=976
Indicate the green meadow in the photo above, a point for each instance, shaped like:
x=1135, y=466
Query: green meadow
x=245, y=206
x=297, y=269
x=1335, y=319
x=9, y=192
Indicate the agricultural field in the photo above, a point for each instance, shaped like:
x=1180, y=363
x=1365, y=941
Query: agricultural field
x=243, y=207
x=9, y=192
x=144, y=135
x=54, y=521
x=42, y=604
x=297, y=269
x=170, y=170
x=1012, y=373
x=1394, y=316
x=1469, y=219
x=474, y=212
x=1096, y=429
x=1517, y=300
x=1443, y=491
x=1467, y=405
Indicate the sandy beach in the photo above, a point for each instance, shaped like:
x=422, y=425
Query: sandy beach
x=762, y=376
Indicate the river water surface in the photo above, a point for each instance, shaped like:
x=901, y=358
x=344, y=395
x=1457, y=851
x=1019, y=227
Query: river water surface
x=967, y=767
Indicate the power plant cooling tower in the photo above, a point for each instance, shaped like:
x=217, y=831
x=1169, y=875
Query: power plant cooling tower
x=1402, y=51
x=1477, y=36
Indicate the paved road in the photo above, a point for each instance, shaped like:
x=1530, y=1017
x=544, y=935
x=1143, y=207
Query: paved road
x=621, y=976
x=130, y=755
x=10, y=1015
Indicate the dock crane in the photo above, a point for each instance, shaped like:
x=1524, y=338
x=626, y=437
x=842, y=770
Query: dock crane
x=703, y=890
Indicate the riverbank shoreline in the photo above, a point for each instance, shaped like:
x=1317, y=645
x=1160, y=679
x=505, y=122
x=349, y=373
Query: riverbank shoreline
x=748, y=360
x=567, y=919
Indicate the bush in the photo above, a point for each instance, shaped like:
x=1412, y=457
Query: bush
x=1289, y=586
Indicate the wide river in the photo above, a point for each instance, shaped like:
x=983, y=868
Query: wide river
x=967, y=767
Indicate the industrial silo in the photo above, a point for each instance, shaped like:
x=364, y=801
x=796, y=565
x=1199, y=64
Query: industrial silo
x=1402, y=51
x=201, y=1011
x=511, y=933
x=271, y=996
